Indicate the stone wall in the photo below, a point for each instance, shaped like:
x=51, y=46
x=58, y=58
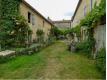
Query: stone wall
x=100, y=37
x=39, y=22
x=62, y=24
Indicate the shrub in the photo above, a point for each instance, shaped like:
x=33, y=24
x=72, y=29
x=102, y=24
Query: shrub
x=83, y=47
x=101, y=60
x=57, y=32
x=40, y=35
x=35, y=47
x=21, y=30
x=50, y=40
x=89, y=22
x=3, y=59
x=22, y=51
x=8, y=9
x=30, y=50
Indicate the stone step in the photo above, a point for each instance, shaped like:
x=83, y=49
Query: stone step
x=6, y=53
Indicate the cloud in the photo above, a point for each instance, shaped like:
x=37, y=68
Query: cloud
x=55, y=9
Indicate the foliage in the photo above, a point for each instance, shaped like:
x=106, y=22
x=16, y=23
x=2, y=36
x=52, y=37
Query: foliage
x=57, y=32
x=40, y=35
x=21, y=31
x=11, y=23
x=90, y=21
x=85, y=46
x=95, y=15
x=21, y=51
x=101, y=60
x=51, y=37
x=39, y=32
x=65, y=63
x=82, y=46
x=29, y=50
x=5, y=59
x=50, y=40
x=8, y=9
x=77, y=30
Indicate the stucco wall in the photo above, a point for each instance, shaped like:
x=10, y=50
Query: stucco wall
x=38, y=24
x=100, y=36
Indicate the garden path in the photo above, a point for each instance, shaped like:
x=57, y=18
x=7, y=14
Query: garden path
x=53, y=62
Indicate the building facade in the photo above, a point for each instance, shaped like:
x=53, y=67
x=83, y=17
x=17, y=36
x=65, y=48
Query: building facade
x=64, y=24
x=35, y=20
x=99, y=32
x=83, y=7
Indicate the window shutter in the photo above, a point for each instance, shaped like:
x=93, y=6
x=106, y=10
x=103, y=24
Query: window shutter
x=33, y=20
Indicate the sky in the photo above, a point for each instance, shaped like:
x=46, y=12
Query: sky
x=55, y=9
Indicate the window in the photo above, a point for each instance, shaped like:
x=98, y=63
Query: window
x=43, y=23
x=85, y=10
x=29, y=17
x=91, y=4
x=33, y=20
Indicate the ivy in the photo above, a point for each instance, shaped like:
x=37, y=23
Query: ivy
x=91, y=21
x=77, y=30
x=95, y=15
x=9, y=17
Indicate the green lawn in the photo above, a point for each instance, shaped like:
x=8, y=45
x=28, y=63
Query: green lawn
x=54, y=62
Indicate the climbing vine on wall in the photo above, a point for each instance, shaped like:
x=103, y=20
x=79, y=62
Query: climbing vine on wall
x=95, y=15
x=9, y=10
x=90, y=21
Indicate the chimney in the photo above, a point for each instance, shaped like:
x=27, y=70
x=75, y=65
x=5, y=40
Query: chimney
x=49, y=19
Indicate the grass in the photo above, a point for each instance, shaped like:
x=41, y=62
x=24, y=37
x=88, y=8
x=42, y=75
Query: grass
x=54, y=62
x=22, y=67
x=79, y=67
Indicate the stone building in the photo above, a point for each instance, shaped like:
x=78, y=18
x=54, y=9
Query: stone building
x=83, y=8
x=35, y=19
x=64, y=24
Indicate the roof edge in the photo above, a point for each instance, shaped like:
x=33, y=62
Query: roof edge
x=28, y=5
x=79, y=2
x=63, y=21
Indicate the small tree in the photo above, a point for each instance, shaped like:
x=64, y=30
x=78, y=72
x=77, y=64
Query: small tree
x=40, y=35
x=21, y=31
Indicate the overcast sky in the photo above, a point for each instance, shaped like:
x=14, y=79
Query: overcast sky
x=55, y=9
